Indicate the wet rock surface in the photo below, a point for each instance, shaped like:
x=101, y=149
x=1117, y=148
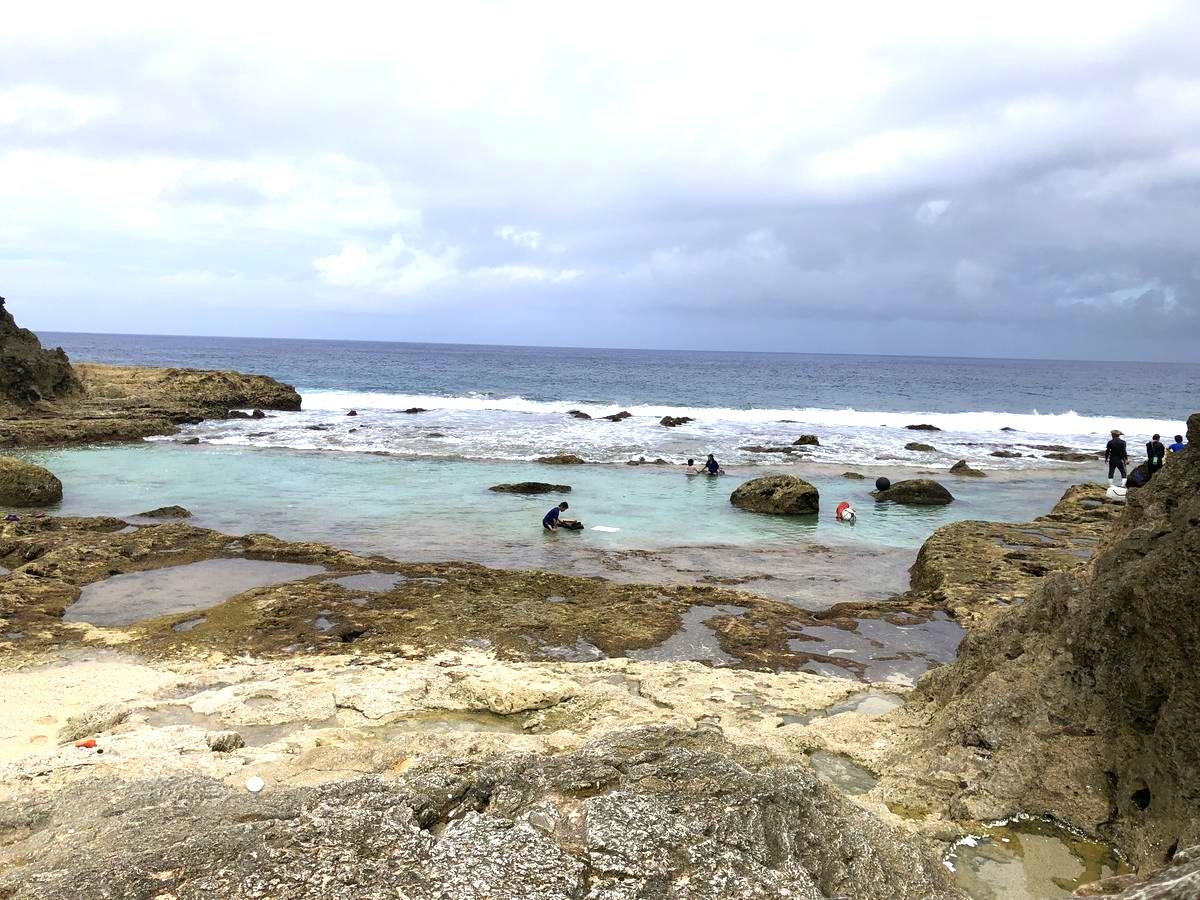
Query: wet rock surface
x=165, y=512
x=561, y=459
x=530, y=487
x=780, y=495
x=961, y=468
x=643, y=812
x=916, y=492
x=25, y=484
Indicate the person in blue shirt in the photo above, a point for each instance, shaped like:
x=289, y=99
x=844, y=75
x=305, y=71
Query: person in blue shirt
x=550, y=520
x=1179, y=446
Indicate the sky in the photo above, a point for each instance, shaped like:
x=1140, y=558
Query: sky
x=957, y=178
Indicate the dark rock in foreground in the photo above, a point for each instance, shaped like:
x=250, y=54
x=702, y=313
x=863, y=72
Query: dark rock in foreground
x=530, y=487
x=561, y=459
x=916, y=492
x=166, y=512
x=647, y=812
x=780, y=495
x=24, y=484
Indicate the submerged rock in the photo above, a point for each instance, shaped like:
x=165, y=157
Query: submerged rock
x=642, y=812
x=166, y=512
x=1071, y=456
x=1005, y=454
x=674, y=421
x=619, y=416
x=413, y=410
x=531, y=487
x=806, y=440
x=916, y=492
x=922, y=427
x=781, y=495
x=24, y=484
x=561, y=459
x=961, y=468
x=919, y=447
x=577, y=414
x=854, y=476
x=189, y=441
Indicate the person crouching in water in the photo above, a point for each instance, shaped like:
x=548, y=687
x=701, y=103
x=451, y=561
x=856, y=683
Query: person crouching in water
x=691, y=468
x=1155, y=452
x=1116, y=454
x=712, y=466
x=550, y=520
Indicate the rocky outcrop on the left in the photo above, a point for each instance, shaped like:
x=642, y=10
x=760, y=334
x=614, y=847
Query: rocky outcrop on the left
x=30, y=374
x=25, y=484
x=640, y=812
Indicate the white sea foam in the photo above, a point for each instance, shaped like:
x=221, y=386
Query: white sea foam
x=1065, y=424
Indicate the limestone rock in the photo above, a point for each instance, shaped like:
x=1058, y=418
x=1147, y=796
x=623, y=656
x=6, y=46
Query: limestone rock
x=530, y=487
x=492, y=689
x=561, y=459
x=94, y=721
x=806, y=440
x=922, y=427
x=916, y=492
x=961, y=468
x=648, y=812
x=24, y=484
x=29, y=373
x=166, y=512
x=918, y=447
x=781, y=495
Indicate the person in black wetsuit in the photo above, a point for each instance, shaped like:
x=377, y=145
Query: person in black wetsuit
x=1116, y=454
x=1155, y=451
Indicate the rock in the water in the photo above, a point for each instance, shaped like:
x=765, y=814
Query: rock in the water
x=961, y=468
x=781, y=495
x=647, y=812
x=1071, y=456
x=577, y=414
x=189, y=441
x=24, y=484
x=413, y=410
x=806, y=440
x=1008, y=428
x=1005, y=454
x=29, y=373
x=918, y=447
x=619, y=416
x=561, y=459
x=224, y=741
x=353, y=412
x=922, y=427
x=916, y=492
x=237, y=414
x=854, y=476
x=755, y=448
x=530, y=487
x=258, y=414
x=166, y=512
x=673, y=421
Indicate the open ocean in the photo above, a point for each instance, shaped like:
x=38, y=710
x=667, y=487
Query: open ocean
x=510, y=403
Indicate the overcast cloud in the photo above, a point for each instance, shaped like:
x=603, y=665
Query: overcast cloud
x=1003, y=179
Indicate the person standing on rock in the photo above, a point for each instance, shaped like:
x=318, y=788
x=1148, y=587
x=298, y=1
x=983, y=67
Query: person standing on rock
x=1155, y=451
x=1116, y=454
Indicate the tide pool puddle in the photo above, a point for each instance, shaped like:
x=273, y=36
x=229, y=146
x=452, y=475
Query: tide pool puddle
x=448, y=723
x=371, y=582
x=254, y=735
x=870, y=703
x=879, y=650
x=839, y=771
x=125, y=599
x=694, y=640
x=1029, y=859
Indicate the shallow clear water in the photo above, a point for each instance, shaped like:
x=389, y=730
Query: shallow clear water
x=125, y=599
x=881, y=651
x=841, y=772
x=1029, y=859
x=693, y=641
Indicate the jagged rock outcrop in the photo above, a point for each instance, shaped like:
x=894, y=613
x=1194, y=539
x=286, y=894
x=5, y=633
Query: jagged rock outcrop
x=646, y=812
x=962, y=468
x=28, y=373
x=780, y=495
x=674, y=421
x=1084, y=702
x=806, y=440
x=24, y=484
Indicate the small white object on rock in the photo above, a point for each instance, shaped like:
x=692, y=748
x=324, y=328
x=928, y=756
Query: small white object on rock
x=254, y=784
